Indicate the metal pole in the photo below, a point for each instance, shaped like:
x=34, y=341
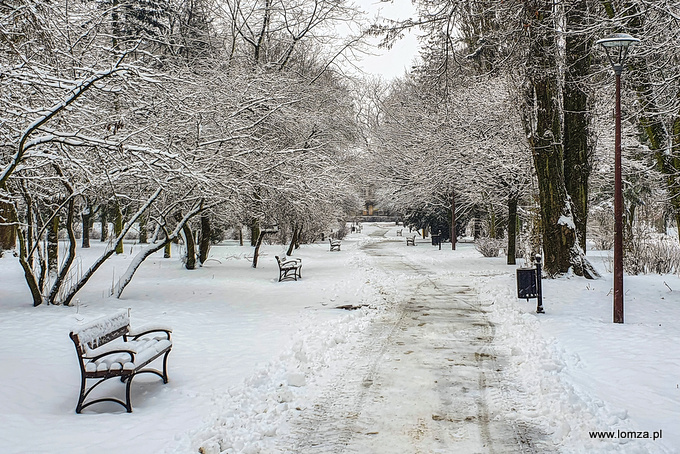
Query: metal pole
x=618, y=210
x=539, y=288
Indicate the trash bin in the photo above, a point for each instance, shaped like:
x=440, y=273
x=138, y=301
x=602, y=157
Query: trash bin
x=436, y=239
x=526, y=283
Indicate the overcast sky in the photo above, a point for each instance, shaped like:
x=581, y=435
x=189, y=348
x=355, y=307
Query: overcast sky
x=393, y=62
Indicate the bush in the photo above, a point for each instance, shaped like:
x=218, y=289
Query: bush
x=647, y=253
x=488, y=247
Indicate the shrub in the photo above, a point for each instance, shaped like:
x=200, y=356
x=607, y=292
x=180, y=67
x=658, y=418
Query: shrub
x=646, y=253
x=488, y=247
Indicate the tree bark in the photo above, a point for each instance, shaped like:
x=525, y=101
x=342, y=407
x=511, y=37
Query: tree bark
x=293, y=239
x=254, y=233
x=8, y=230
x=103, y=218
x=29, y=275
x=258, y=243
x=204, y=243
x=578, y=148
x=512, y=229
x=118, y=227
x=86, y=217
x=190, y=263
x=70, y=256
x=143, y=231
x=543, y=126
x=53, y=245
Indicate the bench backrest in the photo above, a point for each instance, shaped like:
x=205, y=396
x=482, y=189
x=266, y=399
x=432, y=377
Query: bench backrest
x=101, y=331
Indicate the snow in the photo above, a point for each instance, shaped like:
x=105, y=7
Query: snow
x=254, y=359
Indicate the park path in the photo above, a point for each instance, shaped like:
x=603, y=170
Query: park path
x=425, y=379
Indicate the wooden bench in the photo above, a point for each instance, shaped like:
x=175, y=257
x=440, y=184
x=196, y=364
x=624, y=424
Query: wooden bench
x=108, y=348
x=411, y=240
x=399, y=232
x=289, y=269
x=335, y=244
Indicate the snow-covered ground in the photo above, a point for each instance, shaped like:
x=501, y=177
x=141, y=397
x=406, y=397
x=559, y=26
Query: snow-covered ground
x=254, y=360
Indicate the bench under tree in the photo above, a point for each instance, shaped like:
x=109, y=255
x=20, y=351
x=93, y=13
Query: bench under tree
x=411, y=240
x=290, y=269
x=109, y=348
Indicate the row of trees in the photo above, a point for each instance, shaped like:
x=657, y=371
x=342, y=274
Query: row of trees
x=170, y=116
x=515, y=101
x=176, y=115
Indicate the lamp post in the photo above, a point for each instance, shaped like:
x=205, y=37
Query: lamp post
x=617, y=46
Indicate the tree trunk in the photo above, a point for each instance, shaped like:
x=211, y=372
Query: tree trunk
x=167, y=250
x=578, y=148
x=543, y=126
x=254, y=233
x=53, y=245
x=293, y=238
x=512, y=229
x=8, y=230
x=298, y=236
x=103, y=218
x=70, y=256
x=143, y=231
x=204, y=243
x=258, y=243
x=86, y=218
x=118, y=227
x=190, y=263
x=29, y=275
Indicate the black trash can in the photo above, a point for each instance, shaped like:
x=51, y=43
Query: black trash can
x=436, y=239
x=526, y=283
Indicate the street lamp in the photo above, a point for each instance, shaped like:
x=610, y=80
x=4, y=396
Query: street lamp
x=617, y=46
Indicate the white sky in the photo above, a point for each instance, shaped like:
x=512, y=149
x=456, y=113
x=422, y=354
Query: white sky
x=393, y=62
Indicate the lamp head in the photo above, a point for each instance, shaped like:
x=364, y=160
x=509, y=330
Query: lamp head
x=617, y=46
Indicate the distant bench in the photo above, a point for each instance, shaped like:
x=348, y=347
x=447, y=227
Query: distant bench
x=399, y=232
x=411, y=240
x=107, y=347
x=335, y=244
x=289, y=268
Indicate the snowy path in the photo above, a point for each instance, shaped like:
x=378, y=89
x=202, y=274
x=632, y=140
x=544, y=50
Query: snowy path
x=425, y=377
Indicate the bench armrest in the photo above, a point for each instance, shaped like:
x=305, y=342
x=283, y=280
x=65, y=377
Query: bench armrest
x=147, y=329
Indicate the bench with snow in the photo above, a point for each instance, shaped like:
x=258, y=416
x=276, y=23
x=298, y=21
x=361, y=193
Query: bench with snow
x=411, y=240
x=289, y=268
x=109, y=348
x=399, y=232
x=335, y=244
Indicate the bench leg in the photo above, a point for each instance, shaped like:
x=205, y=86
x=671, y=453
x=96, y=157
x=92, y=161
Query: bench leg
x=128, y=404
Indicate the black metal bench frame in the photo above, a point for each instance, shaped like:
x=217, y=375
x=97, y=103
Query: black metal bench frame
x=335, y=244
x=116, y=331
x=289, y=269
x=411, y=240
